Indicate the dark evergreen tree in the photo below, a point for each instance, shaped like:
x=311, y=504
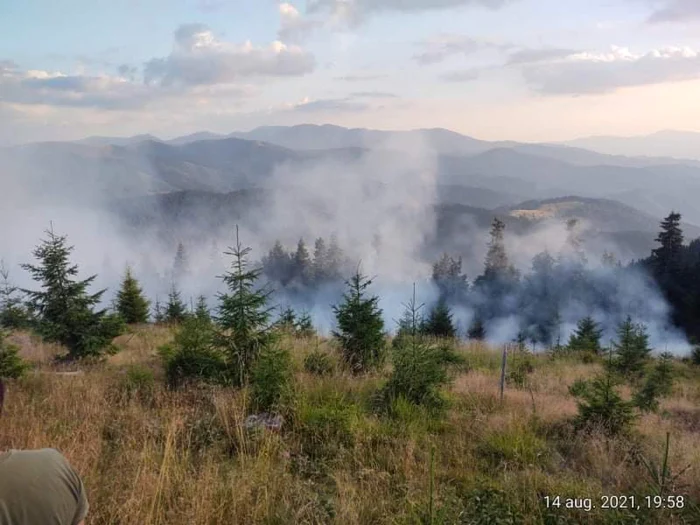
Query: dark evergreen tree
x=287, y=320
x=320, y=262
x=277, y=265
x=63, y=307
x=665, y=258
x=181, y=264
x=243, y=315
x=131, y=303
x=336, y=260
x=448, y=277
x=175, y=311
x=411, y=323
x=586, y=337
x=158, y=313
x=657, y=384
x=201, y=311
x=497, y=265
x=360, y=329
x=305, y=325
x=13, y=312
x=302, y=263
x=477, y=330
x=12, y=366
x=631, y=350
x=439, y=322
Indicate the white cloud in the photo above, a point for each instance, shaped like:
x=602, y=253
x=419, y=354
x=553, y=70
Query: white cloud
x=353, y=12
x=588, y=73
x=200, y=58
x=293, y=25
x=677, y=11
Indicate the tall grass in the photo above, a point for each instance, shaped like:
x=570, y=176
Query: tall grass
x=149, y=455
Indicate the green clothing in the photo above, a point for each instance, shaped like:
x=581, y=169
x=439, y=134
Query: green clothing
x=39, y=487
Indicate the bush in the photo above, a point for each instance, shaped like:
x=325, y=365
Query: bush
x=601, y=406
x=318, y=363
x=695, y=355
x=420, y=369
x=12, y=366
x=517, y=447
x=521, y=366
x=658, y=383
x=192, y=355
x=271, y=378
x=138, y=382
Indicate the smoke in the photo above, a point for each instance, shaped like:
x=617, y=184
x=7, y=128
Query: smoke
x=381, y=207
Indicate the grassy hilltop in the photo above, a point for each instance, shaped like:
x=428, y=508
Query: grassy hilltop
x=158, y=456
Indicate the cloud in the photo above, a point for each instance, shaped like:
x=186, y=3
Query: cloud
x=354, y=12
x=529, y=56
x=34, y=87
x=467, y=75
x=362, y=77
x=346, y=104
x=677, y=11
x=200, y=58
x=595, y=73
x=293, y=25
x=373, y=94
x=443, y=46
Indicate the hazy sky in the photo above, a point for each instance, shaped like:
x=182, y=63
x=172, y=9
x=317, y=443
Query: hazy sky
x=495, y=69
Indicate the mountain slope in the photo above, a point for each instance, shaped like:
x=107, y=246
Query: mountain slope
x=678, y=144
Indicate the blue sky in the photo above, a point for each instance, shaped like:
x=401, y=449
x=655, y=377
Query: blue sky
x=533, y=70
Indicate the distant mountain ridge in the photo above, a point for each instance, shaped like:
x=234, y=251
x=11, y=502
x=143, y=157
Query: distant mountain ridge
x=666, y=143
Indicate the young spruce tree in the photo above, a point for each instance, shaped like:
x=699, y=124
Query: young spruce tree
x=131, y=303
x=13, y=313
x=439, y=322
x=587, y=336
x=63, y=306
x=175, y=311
x=11, y=364
x=243, y=316
x=631, y=350
x=360, y=329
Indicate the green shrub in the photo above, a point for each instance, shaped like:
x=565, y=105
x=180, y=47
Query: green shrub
x=318, y=363
x=601, y=406
x=192, y=355
x=695, y=355
x=517, y=447
x=520, y=367
x=271, y=378
x=12, y=366
x=139, y=381
x=658, y=383
x=420, y=370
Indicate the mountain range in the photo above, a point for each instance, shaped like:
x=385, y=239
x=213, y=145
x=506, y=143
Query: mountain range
x=616, y=195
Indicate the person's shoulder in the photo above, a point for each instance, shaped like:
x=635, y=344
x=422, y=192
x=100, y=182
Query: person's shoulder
x=42, y=455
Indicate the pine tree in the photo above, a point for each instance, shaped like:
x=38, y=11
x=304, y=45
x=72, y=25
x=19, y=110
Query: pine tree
x=305, y=325
x=320, y=262
x=302, y=263
x=335, y=259
x=287, y=320
x=477, y=330
x=12, y=366
x=658, y=383
x=201, y=311
x=601, y=406
x=175, y=311
x=360, y=329
x=631, y=350
x=586, y=337
x=181, y=264
x=243, y=315
x=497, y=265
x=63, y=307
x=13, y=313
x=131, y=303
x=420, y=368
x=439, y=322
x=158, y=313
x=665, y=257
x=448, y=277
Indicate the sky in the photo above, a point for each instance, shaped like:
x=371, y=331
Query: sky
x=528, y=70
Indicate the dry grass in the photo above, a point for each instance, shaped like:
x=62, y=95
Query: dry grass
x=153, y=456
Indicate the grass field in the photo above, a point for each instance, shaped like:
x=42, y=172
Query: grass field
x=153, y=456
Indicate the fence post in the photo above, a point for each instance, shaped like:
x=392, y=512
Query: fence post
x=503, y=370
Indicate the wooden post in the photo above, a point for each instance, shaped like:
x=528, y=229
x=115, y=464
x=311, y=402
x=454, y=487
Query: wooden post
x=503, y=370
